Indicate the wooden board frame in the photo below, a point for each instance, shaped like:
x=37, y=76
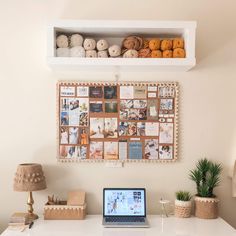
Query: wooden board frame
x=174, y=115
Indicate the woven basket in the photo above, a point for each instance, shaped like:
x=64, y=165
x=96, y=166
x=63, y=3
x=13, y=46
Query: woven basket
x=183, y=209
x=206, y=208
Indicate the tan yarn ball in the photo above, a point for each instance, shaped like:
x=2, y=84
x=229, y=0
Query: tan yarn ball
x=62, y=41
x=179, y=53
x=154, y=44
x=166, y=44
x=156, y=54
x=144, y=53
x=178, y=43
x=167, y=54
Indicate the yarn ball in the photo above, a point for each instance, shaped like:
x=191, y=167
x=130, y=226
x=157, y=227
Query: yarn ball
x=63, y=52
x=91, y=53
x=103, y=54
x=89, y=44
x=114, y=51
x=145, y=43
x=156, y=54
x=102, y=45
x=178, y=43
x=76, y=40
x=179, y=53
x=166, y=44
x=62, y=41
x=154, y=44
x=131, y=53
x=77, y=51
x=144, y=53
x=167, y=53
x=132, y=42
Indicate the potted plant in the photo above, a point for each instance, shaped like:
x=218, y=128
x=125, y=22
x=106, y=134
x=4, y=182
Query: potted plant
x=183, y=204
x=206, y=175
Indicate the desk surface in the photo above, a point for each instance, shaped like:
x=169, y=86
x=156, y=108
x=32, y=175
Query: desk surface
x=158, y=226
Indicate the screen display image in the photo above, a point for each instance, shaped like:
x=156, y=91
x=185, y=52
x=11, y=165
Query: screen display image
x=124, y=202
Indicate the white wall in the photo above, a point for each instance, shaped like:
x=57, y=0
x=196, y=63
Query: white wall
x=28, y=103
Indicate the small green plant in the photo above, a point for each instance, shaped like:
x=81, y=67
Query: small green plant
x=183, y=196
x=206, y=175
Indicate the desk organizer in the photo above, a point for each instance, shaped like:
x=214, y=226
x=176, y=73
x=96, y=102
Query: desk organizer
x=64, y=212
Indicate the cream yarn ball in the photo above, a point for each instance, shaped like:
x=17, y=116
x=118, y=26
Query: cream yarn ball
x=62, y=41
x=77, y=51
x=76, y=40
x=103, y=54
x=89, y=44
x=102, y=45
x=131, y=53
x=63, y=52
x=91, y=53
x=114, y=50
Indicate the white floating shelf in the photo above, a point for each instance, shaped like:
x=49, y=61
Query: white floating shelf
x=114, y=32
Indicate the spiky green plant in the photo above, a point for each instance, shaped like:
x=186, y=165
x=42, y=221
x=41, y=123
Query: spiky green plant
x=206, y=176
x=183, y=195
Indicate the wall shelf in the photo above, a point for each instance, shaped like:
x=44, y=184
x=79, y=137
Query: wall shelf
x=114, y=32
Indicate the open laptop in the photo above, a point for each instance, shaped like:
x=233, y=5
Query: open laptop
x=124, y=207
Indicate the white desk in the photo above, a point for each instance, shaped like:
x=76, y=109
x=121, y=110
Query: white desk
x=92, y=226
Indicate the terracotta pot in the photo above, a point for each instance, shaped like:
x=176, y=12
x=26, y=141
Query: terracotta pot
x=206, y=208
x=183, y=208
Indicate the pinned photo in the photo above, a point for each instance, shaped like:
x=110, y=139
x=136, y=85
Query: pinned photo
x=96, y=150
x=69, y=151
x=65, y=104
x=82, y=91
x=165, y=152
x=151, y=149
x=67, y=91
x=152, y=110
x=110, y=130
x=83, y=136
x=126, y=92
x=111, y=107
x=152, y=128
x=96, y=128
x=165, y=91
x=166, y=132
x=111, y=150
x=64, y=135
x=95, y=92
x=123, y=128
x=124, y=114
x=141, y=128
x=142, y=114
x=73, y=135
x=83, y=104
x=64, y=118
x=166, y=104
x=83, y=119
x=73, y=104
x=126, y=104
x=132, y=129
x=133, y=114
x=140, y=103
x=140, y=91
x=135, y=150
x=95, y=106
x=110, y=92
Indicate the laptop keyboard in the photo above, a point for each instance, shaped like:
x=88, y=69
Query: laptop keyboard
x=124, y=219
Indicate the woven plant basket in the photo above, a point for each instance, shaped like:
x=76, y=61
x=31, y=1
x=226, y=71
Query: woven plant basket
x=183, y=209
x=206, y=208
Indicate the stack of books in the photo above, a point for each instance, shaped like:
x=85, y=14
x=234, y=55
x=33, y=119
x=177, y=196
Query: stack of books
x=19, y=221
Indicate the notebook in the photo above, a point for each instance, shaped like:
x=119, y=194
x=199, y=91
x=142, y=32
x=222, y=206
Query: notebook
x=124, y=207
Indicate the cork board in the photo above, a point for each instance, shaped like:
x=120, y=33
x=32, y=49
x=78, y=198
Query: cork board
x=117, y=121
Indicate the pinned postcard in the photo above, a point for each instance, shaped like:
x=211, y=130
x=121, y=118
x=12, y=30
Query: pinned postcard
x=165, y=152
x=111, y=150
x=82, y=91
x=166, y=132
x=151, y=148
x=96, y=128
x=152, y=128
x=96, y=150
x=66, y=91
x=126, y=92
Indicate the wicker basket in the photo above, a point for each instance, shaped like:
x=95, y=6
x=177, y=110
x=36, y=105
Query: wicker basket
x=183, y=208
x=206, y=208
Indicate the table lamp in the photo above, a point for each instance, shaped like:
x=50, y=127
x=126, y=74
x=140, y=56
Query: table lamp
x=29, y=177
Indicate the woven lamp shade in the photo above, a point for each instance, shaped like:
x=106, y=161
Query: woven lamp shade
x=29, y=177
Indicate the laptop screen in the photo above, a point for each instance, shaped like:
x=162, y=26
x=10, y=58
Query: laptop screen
x=124, y=202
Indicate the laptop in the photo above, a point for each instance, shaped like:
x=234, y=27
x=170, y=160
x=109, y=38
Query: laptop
x=124, y=207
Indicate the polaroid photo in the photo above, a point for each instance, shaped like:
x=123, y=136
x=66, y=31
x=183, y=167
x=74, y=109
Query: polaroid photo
x=83, y=104
x=152, y=109
x=133, y=114
x=152, y=95
x=166, y=104
x=69, y=151
x=124, y=114
x=165, y=91
x=96, y=150
x=95, y=106
x=135, y=150
x=123, y=149
x=83, y=136
x=73, y=135
x=152, y=128
x=73, y=104
x=67, y=91
x=111, y=150
x=140, y=91
x=96, y=127
x=111, y=128
x=74, y=117
x=141, y=128
x=110, y=92
x=142, y=114
x=65, y=104
x=64, y=118
x=82, y=91
x=64, y=135
x=165, y=152
x=82, y=152
x=152, y=88
x=111, y=107
x=123, y=128
x=132, y=129
x=166, y=133
x=140, y=103
x=151, y=149
x=95, y=92
x=126, y=104
x=83, y=119
x=126, y=92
